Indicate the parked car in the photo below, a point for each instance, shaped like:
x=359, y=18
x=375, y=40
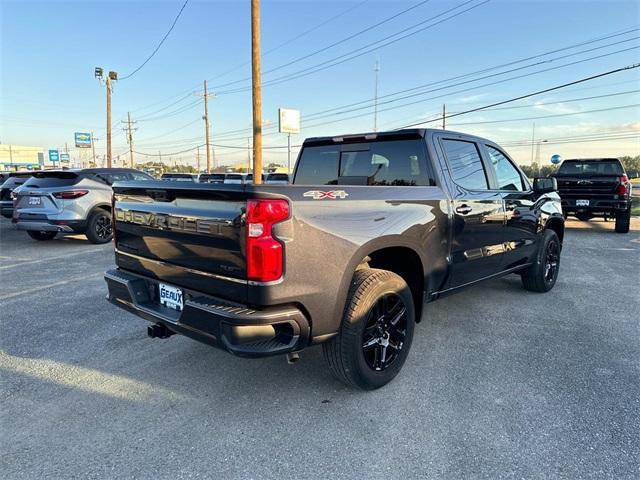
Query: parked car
x=13, y=181
x=277, y=179
x=70, y=201
x=180, y=177
x=234, y=179
x=211, y=178
x=372, y=226
x=4, y=176
x=595, y=187
x=248, y=178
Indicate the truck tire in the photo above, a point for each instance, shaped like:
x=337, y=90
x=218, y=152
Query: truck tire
x=99, y=228
x=542, y=275
x=376, y=331
x=41, y=236
x=623, y=220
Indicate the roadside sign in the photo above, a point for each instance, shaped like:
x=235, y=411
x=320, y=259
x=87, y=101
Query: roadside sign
x=83, y=140
x=65, y=158
x=53, y=156
x=288, y=120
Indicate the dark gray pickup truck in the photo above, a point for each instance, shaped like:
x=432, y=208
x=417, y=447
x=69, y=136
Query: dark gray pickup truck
x=372, y=226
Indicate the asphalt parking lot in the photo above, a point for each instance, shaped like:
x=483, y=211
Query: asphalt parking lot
x=500, y=383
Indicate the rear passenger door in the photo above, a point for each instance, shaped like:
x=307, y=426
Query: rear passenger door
x=478, y=212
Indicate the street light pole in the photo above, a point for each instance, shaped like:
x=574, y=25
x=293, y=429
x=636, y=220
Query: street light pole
x=256, y=92
x=108, y=122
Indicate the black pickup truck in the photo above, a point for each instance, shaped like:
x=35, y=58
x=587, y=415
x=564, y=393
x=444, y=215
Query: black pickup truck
x=372, y=226
x=595, y=187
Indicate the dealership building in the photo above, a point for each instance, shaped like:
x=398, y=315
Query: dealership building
x=20, y=157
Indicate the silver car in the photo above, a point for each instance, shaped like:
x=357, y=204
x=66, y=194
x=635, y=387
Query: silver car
x=69, y=201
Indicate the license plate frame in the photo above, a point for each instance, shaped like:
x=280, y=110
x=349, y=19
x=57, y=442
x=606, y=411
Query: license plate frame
x=171, y=297
x=582, y=203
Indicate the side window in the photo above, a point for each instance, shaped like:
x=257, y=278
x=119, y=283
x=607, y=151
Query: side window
x=141, y=176
x=508, y=176
x=318, y=166
x=465, y=164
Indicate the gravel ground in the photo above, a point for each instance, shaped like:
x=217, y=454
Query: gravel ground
x=500, y=383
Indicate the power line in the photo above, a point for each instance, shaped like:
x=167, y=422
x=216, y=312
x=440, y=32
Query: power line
x=539, y=92
x=327, y=47
x=334, y=110
x=293, y=39
x=352, y=55
x=159, y=45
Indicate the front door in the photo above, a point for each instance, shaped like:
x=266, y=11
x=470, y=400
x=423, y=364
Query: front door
x=478, y=214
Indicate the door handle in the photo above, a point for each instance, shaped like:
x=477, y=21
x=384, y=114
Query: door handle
x=463, y=209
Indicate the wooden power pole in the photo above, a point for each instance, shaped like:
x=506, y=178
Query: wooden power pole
x=444, y=116
x=256, y=92
x=93, y=148
x=108, y=81
x=206, y=127
x=129, y=131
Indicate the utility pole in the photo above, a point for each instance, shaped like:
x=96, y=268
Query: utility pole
x=111, y=76
x=256, y=92
x=198, y=158
x=93, y=148
x=129, y=131
x=533, y=141
x=206, y=127
x=375, y=96
x=444, y=116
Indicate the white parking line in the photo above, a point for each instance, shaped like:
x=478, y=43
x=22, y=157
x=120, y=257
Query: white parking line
x=27, y=291
x=48, y=259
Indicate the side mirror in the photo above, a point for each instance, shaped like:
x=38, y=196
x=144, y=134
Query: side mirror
x=545, y=184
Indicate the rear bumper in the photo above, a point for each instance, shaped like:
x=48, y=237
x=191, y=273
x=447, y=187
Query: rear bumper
x=46, y=225
x=236, y=328
x=596, y=205
x=6, y=208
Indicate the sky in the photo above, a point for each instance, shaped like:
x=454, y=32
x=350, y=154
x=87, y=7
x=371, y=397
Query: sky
x=319, y=56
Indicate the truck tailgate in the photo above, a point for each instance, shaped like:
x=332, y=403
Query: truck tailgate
x=188, y=236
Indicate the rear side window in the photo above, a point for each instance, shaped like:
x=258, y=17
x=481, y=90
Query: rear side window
x=593, y=167
x=51, y=180
x=111, y=178
x=465, y=164
x=390, y=163
x=508, y=176
x=318, y=166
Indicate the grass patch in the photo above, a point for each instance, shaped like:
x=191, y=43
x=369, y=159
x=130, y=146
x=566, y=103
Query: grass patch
x=635, y=209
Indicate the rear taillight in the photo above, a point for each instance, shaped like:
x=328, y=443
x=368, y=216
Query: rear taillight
x=622, y=187
x=70, y=194
x=264, y=253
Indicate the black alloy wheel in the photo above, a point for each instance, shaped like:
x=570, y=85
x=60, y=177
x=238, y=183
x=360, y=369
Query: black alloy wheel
x=385, y=332
x=552, y=261
x=103, y=227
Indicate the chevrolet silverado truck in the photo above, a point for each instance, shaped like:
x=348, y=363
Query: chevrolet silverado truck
x=595, y=187
x=371, y=227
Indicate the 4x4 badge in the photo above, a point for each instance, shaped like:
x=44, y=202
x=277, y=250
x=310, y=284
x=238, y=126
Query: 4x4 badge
x=331, y=194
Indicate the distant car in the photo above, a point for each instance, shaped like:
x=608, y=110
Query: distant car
x=70, y=201
x=277, y=179
x=13, y=181
x=4, y=176
x=234, y=179
x=180, y=177
x=595, y=187
x=211, y=178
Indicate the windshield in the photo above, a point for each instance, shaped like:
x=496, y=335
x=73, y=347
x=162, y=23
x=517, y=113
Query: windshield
x=591, y=167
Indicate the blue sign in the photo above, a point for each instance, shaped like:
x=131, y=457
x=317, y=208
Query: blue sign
x=83, y=140
x=53, y=156
x=65, y=157
x=556, y=159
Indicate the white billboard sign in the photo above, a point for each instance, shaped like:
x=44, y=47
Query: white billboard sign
x=288, y=120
